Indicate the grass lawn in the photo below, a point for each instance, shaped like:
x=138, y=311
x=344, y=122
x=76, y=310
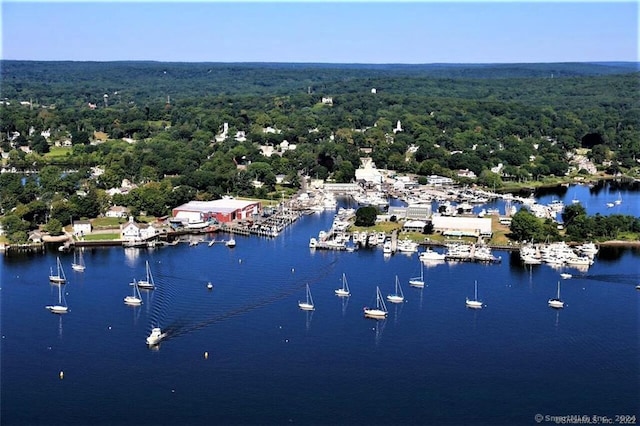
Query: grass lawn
x=105, y=222
x=58, y=151
x=101, y=237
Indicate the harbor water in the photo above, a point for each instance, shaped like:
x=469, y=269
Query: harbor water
x=244, y=353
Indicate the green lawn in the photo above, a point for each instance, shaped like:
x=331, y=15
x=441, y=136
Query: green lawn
x=103, y=222
x=101, y=237
x=58, y=151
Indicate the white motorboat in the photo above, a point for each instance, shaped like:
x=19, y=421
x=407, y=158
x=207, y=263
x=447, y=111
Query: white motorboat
x=344, y=291
x=380, y=311
x=431, y=255
x=474, y=303
x=313, y=243
x=156, y=336
x=398, y=296
x=307, y=305
x=59, y=277
x=556, y=302
x=565, y=276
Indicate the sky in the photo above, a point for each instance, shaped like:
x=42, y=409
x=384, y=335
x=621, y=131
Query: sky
x=411, y=32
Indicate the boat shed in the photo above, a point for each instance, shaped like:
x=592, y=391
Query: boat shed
x=462, y=226
x=222, y=210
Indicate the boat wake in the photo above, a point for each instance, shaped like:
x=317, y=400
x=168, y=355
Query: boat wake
x=181, y=309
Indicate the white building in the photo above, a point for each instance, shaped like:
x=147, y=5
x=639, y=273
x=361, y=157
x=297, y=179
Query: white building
x=117, y=211
x=462, y=226
x=368, y=172
x=81, y=227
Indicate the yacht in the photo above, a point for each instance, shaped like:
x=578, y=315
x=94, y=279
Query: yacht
x=155, y=336
x=430, y=255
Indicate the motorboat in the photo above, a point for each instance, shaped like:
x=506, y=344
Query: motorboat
x=429, y=254
x=156, y=336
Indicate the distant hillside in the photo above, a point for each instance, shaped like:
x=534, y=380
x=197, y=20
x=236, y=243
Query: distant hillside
x=143, y=81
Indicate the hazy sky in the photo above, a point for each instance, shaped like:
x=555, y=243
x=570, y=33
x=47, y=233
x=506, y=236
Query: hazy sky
x=321, y=31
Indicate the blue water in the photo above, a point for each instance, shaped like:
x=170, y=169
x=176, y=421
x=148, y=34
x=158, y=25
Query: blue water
x=433, y=361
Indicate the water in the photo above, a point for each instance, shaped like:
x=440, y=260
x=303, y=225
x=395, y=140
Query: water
x=433, y=361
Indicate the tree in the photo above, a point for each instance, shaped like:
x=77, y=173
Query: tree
x=366, y=216
x=525, y=226
x=53, y=227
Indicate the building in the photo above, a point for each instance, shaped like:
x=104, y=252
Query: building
x=81, y=227
x=132, y=231
x=368, y=172
x=462, y=226
x=222, y=210
x=117, y=211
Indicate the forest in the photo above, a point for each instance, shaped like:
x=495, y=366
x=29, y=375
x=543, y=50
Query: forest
x=159, y=126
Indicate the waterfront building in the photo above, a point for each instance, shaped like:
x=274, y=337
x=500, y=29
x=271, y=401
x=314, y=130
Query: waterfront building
x=462, y=226
x=222, y=210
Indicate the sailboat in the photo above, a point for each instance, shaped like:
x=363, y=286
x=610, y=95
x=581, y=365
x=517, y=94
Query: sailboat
x=155, y=336
x=418, y=281
x=59, y=277
x=146, y=284
x=308, y=304
x=61, y=307
x=380, y=311
x=135, y=298
x=398, y=297
x=475, y=303
x=618, y=200
x=78, y=265
x=344, y=291
x=556, y=302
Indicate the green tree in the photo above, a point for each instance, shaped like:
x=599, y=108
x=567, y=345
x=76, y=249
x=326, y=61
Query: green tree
x=53, y=227
x=525, y=226
x=366, y=216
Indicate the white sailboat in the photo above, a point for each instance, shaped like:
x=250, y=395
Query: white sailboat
x=78, y=264
x=308, y=304
x=344, y=291
x=155, y=336
x=475, y=303
x=556, y=302
x=59, y=277
x=618, y=200
x=135, y=298
x=398, y=296
x=418, y=281
x=61, y=307
x=148, y=283
x=380, y=311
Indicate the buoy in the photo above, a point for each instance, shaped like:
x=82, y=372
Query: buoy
x=61, y=374
x=209, y=285
x=293, y=270
x=239, y=260
x=206, y=355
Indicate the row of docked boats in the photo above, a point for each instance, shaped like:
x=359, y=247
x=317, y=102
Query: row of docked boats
x=461, y=252
x=559, y=254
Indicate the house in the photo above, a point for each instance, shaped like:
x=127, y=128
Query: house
x=466, y=173
x=132, y=231
x=414, y=226
x=368, y=172
x=327, y=100
x=81, y=227
x=117, y=211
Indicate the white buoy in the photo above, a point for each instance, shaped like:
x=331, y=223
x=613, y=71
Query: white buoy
x=61, y=374
x=206, y=355
x=209, y=285
x=293, y=270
